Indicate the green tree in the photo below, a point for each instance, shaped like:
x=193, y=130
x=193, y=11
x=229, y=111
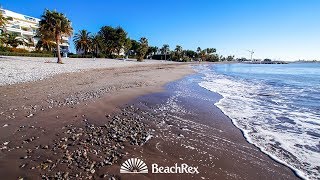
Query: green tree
x=165, y=50
x=207, y=54
x=3, y=20
x=127, y=46
x=107, y=34
x=178, y=53
x=152, y=50
x=143, y=48
x=211, y=50
x=155, y=50
x=13, y=40
x=96, y=44
x=189, y=53
x=178, y=49
x=203, y=55
x=212, y=57
x=57, y=24
x=82, y=41
x=120, y=39
x=28, y=42
x=46, y=41
x=2, y=38
x=113, y=39
x=230, y=58
x=134, y=45
x=198, y=50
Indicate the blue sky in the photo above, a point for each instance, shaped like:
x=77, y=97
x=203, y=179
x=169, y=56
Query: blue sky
x=278, y=29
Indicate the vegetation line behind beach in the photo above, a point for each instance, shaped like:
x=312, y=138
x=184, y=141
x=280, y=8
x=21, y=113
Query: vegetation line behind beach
x=108, y=42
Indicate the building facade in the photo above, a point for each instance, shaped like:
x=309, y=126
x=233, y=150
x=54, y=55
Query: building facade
x=26, y=27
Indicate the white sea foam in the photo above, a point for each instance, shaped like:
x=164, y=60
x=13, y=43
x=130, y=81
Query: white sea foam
x=266, y=119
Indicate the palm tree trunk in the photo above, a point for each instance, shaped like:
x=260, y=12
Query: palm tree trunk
x=58, y=50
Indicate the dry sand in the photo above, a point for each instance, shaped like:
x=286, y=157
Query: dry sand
x=24, y=69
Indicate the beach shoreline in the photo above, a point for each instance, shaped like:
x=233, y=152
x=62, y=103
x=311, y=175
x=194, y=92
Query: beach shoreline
x=199, y=134
x=37, y=117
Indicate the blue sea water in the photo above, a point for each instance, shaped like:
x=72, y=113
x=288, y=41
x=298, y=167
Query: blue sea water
x=277, y=107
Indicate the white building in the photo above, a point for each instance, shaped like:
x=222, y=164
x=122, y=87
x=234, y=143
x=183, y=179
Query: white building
x=26, y=27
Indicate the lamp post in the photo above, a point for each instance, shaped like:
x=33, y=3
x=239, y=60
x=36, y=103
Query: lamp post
x=251, y=52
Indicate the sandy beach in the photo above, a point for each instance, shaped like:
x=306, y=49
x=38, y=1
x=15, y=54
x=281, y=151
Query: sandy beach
x=16, y=69
x=83, y=123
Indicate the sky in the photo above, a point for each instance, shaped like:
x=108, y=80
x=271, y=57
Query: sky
x=276, y=29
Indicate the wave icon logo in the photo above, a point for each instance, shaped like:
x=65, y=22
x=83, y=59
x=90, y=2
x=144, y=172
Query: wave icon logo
x=134, y=165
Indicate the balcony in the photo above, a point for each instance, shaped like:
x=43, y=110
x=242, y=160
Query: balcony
x=65, y=38
x=12, y=29
x=29, y=33
x=18, y=30
x=64, y=44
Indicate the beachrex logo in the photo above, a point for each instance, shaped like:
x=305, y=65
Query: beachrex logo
x=183, y=168
x=135, y=165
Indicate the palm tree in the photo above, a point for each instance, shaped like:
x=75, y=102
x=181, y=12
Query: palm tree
x=152, y=50
x=143, y=41
x=13, y=40
x=28, y=41
x=156, y=49
x=199, y=52
x=46, y=41
x=82, y=41
x=120, y=39
x=107, y=34
x=127, y=46
x=3, y=20
x=96, y=44
x=178, y=51
x=134, y=46
x=165, y=50
x=203, y=54
x=58, y=25
x=211, y=50
x=143, y=48
x=2, y=39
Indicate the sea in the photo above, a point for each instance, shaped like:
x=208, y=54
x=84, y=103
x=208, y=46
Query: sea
x=276, y=106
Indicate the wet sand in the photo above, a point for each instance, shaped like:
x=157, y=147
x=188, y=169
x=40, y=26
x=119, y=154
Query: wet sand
x=85, y=125
x=190, y=129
